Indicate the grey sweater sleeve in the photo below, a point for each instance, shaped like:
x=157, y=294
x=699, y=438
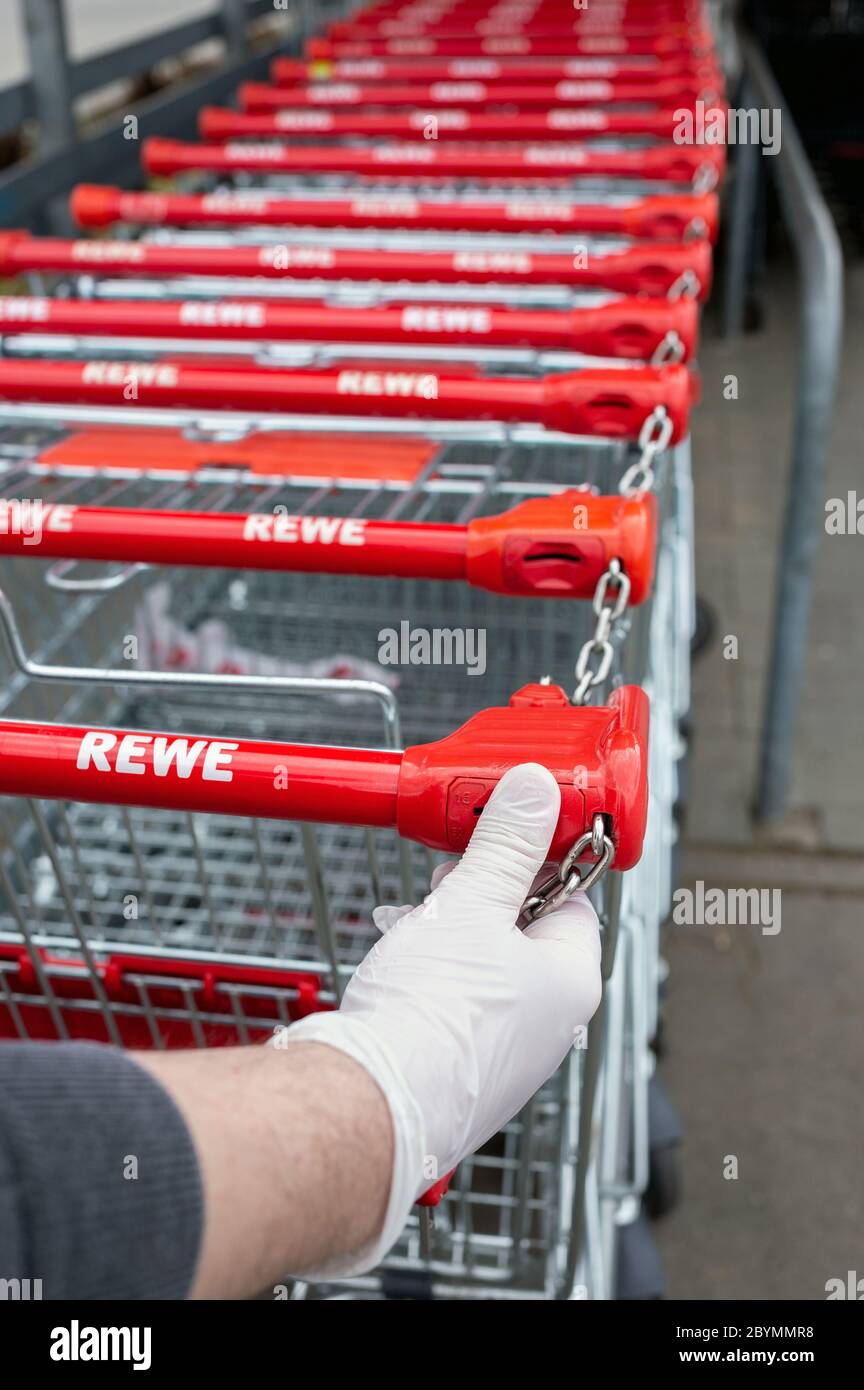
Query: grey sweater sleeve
x=100, y=1189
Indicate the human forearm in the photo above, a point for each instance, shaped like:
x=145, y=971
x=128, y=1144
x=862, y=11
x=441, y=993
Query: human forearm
x=295, y=1147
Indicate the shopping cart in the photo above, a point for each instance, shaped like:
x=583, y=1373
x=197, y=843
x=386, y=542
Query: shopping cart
x=236, y=557
x=220, y=891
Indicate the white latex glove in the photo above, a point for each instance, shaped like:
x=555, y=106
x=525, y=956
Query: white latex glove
x=457, y=1014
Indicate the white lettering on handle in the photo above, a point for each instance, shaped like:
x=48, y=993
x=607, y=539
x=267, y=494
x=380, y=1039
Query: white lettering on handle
x=304, y=120
x=422, y=318
x=108, y=251
x=421, y=384
x=21, y=309
x=22, y=517
x=133, y=755
x=211, y=314
x=487, y=262
x=238, y=149
x=307, y=530
x=122, y=373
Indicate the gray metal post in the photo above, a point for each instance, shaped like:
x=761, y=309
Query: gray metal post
x=234, y=26
x=741, y=222
x=44, y=24
x=820, y=268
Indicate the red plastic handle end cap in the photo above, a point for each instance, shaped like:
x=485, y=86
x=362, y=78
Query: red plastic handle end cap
x=157, y=155
x=93, y=204
x=597, y=755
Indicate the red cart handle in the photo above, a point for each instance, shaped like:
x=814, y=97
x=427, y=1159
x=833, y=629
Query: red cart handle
x=631, y=329
x=432, y=793
x=493, y=27
x=550, y=547
x=612, y=402
x=558, y=123
x=377, y=10
x=675, y=47
x=663, y=217
x=670, y=163
x=569, y=94
x=689, y=77
x=642, y=269
x=619, y=14
x=682, y=80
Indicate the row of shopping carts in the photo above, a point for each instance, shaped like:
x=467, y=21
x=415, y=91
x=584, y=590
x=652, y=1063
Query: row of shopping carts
x=344, y=468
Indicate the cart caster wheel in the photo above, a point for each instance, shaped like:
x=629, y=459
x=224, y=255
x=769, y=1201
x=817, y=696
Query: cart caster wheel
x=682, y=797
x=660, y=1041
x=663, y=1192
x=706, y=625
x=639, y=1273
x=754, y=314
x=665, y=1135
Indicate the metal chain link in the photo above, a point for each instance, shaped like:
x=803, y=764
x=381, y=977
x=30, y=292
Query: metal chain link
x=654, y=437
x=613, y=583
x=607, y=614
x=706, y=178
x=670, y=350
x=687, y=286
x=562, y=884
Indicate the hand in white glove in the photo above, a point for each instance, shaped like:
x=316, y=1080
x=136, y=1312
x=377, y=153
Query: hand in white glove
x=457, y=1014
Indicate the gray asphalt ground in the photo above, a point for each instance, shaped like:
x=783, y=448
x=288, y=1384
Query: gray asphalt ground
x=765, y=1032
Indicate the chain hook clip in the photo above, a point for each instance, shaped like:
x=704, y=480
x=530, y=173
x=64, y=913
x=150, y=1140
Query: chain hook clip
x=564, y=882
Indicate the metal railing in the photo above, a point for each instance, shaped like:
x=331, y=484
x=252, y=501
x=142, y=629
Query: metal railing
x=820, y=269
x=32, y=191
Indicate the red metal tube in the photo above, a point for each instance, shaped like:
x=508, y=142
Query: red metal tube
x=471, y=96
x=433, y=792
x=435, y=159
x=642, y=269
x=265, y=541
x=550, y=547
x=683, y=78
x=612, y=403
x=667, y=46
x=437, y=10
x=623, y=14
x=462, y=18
x=561, y=123
x=625, y=328
x=280, y=781
x=663, y=217
x=493, y=28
